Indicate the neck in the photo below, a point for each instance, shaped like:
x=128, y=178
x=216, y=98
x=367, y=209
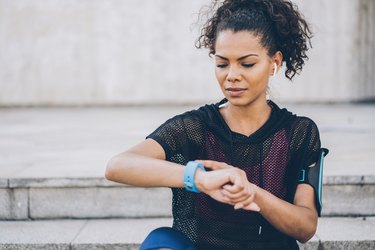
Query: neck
x=246, y=119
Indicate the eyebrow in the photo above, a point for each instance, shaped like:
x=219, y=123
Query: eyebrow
x=239, y=59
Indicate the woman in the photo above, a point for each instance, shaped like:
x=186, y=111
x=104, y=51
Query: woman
x=256, y=190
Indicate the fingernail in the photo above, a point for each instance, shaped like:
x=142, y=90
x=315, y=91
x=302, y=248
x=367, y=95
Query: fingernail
x=238, y=206
x=258, y=209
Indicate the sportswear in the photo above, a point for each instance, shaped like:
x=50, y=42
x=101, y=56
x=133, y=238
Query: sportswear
x=165, y=237
x=272, y=157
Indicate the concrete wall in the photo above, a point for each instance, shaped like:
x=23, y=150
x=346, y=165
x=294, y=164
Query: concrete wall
x=342, y=59
x=366, y=50
x=93, y=52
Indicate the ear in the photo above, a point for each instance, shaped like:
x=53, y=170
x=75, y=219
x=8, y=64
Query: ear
x=278, y=59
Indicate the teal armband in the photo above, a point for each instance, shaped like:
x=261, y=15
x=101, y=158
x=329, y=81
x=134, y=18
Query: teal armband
x=313, y=175
x=189, y=174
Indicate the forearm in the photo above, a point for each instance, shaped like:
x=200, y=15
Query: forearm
x=296, y=221
x=138, y=170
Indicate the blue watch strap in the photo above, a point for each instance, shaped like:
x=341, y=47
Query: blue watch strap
x=189, y=174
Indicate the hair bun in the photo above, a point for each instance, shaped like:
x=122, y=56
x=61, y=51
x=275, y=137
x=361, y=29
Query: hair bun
x=279, y=23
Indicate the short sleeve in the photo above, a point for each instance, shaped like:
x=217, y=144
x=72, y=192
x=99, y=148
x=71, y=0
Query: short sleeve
x=305, y=142
x=181, y=137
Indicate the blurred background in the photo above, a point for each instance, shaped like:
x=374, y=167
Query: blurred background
x=131, y=52
x=83, y=80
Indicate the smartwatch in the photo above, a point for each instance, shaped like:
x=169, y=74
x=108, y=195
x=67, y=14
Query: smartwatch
x=189, y=174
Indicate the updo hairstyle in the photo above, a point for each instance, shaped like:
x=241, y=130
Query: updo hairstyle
x=278, y=23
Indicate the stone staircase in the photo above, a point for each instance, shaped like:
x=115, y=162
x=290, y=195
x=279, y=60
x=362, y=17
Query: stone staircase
x=128, y=233
x=55, y=197
x=97, y=214
x=97, y=198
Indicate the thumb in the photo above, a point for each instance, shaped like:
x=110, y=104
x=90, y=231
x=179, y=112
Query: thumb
x=213, y=165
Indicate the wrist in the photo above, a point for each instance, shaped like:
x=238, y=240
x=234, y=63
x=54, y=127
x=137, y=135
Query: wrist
x=199, y=176
x=256, y=192
x=190, y=172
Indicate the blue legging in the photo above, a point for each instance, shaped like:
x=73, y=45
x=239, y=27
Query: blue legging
x=167, y=238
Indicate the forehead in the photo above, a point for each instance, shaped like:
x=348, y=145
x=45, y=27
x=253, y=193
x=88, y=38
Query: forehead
x=238, y=43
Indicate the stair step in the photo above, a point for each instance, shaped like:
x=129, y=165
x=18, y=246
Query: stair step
x=332, y=233
x=82, y=198
x=349, y=196
x=77, y=234
x=61, y=145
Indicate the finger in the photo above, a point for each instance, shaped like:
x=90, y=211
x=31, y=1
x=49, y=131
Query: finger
x=229, y=201
x=247, y=194
x=247, y=202
x=237, y=177
x=252, y=207
x=221, y=197
x=214, y=165
x=236, y=187
x=224, y=199
x=234, y=195
x=238, y=206
x=226, y=186
x=242, y=199
x=245, y=199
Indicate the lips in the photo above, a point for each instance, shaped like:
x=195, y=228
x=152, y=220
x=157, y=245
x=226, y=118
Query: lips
x=235, y=91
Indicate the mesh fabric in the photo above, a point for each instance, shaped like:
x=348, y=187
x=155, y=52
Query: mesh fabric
x=271, y=157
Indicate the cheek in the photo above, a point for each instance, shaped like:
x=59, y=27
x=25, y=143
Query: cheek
x=260, y=74
x=220, y=75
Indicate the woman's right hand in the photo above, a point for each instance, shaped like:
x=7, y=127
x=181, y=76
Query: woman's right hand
x=226, y=184
x=211, y=183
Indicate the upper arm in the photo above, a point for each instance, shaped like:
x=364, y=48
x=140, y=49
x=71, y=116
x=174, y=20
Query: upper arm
x=309, y=157
x=149, y=148
x=305, y=197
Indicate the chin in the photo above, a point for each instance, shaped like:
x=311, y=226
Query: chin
x=247, y=101
x=240, y=102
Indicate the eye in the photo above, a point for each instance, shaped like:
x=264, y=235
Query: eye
x=221, y=65
x=248, y=65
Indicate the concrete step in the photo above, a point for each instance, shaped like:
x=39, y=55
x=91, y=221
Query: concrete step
x=52, y=160
x=82, y=198
x=332, y=233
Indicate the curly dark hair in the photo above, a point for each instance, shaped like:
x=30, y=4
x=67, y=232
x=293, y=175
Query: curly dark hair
x=279, y=24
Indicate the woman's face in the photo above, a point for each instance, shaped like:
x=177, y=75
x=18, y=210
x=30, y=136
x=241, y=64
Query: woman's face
x=243, y=67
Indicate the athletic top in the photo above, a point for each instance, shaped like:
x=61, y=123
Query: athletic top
x=272, y=158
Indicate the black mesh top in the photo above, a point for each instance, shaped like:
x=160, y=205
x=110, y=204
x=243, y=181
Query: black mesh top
x=272, y=158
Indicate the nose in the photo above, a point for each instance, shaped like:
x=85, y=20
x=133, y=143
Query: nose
x=234, y=75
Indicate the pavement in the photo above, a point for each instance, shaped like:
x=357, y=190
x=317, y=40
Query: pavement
x=78, y=142
x=129, y=233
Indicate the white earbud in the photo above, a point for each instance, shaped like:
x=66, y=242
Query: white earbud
x=274, y=69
